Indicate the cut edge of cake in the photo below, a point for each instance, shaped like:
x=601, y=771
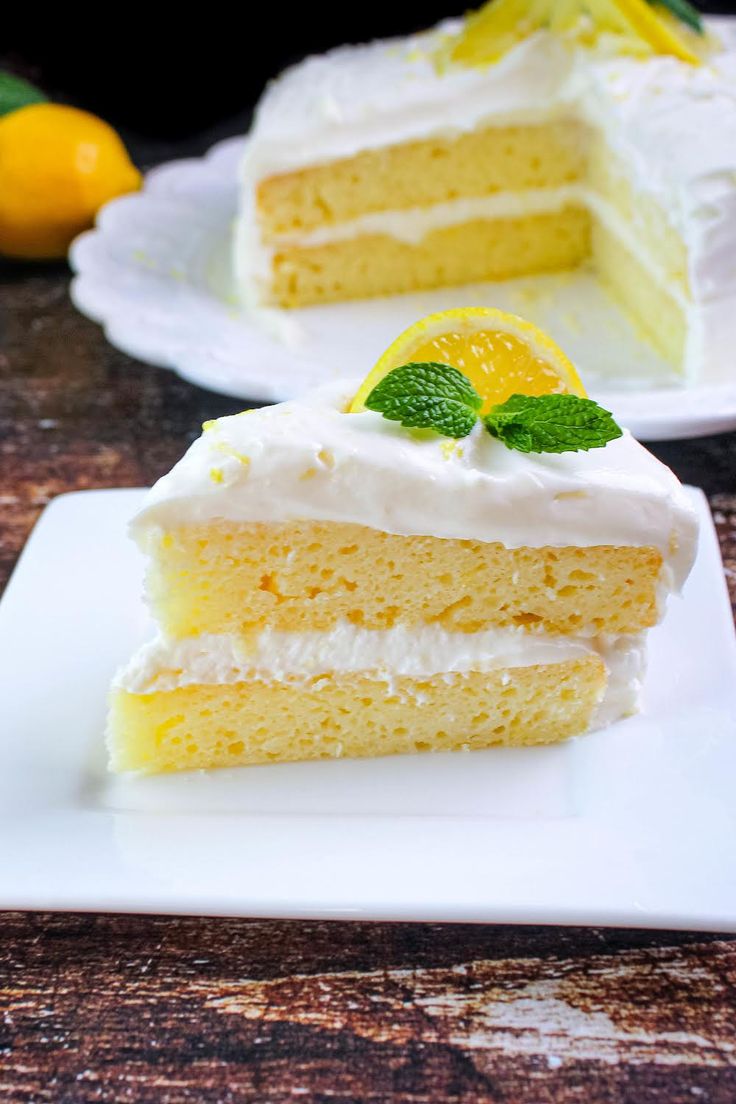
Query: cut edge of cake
x=205, y=703
x=301, y=684
x=339, y=200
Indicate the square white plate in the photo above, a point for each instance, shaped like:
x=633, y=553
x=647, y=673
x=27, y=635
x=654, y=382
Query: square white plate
x=634, y=825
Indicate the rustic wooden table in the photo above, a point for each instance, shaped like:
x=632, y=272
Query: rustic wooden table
x=98, y=1008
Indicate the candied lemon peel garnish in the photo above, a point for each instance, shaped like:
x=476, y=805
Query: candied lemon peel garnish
x=635, y=26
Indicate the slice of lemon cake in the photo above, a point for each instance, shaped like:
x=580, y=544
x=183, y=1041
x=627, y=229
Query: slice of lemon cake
x=463, y=551
x=528, y=138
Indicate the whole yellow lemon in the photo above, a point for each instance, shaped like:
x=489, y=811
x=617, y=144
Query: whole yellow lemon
x=58, y=165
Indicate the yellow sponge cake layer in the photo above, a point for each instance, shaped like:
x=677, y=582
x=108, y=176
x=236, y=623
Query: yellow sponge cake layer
x=607, y=180
x=380, y=264
x=436, y=170
x=229, y=577
x=657, y=314
x=351, y=714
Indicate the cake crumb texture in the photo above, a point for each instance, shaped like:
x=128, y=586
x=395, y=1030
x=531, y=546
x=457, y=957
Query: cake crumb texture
x=353, y=715
x=479, y=249
x=416, y=174
x=651, y=308
x=229, y=577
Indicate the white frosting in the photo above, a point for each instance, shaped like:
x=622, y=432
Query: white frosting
x=413, y=223
x=414, y=652
x=359, y=97
x=309, y=459
x=673, y=125
x=162, y=665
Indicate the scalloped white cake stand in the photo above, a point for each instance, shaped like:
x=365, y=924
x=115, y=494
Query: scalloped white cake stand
x=155, y=272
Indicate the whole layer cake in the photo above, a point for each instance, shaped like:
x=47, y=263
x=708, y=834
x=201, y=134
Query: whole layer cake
x=403, y=164
x=328, y=583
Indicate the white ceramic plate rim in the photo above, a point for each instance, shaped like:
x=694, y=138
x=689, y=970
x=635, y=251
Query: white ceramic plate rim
x=145, y=273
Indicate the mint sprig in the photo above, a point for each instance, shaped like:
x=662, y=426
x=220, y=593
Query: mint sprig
x=438, y=397
x=685, y=12
x=428, y=396
x=551, y=423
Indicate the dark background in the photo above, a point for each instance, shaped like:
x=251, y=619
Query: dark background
x=168, y=73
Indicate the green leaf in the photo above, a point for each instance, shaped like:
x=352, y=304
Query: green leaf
x=427, y=396
x=436, y=396
x=551, y=423
x=16, y=92
x=685, y=12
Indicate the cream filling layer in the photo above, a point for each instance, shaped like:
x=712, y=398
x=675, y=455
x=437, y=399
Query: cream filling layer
x=411, y=226
x=428, y=652
x=166, y=665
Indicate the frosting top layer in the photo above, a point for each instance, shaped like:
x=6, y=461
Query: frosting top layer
x=675, y=122
x=380, y=93
x=309, y=459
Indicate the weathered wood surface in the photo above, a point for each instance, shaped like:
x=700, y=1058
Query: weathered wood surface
x=126, y=1008
x=164, y=1009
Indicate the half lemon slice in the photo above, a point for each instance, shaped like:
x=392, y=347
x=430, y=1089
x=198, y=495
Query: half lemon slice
x=501, y=355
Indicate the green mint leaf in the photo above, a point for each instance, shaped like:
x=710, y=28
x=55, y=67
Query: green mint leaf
x=685, y=12
x=427, y=396
x=551, y=423
x=16, y=92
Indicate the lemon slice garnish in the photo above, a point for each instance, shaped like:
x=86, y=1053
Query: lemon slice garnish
x=501, y=355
